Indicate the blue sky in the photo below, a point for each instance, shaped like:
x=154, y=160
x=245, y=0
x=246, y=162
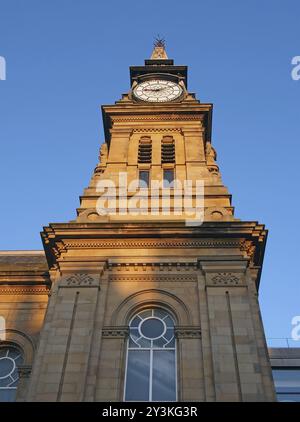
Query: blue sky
x=67, y=57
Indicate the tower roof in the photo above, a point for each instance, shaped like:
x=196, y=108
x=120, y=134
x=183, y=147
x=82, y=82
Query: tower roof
x=159, y=50
x=158, y=64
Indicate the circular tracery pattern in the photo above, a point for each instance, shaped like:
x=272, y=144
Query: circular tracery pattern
x=153, y=328
x=10, y=358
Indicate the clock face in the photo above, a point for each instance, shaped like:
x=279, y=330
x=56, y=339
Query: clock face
x=157, y=90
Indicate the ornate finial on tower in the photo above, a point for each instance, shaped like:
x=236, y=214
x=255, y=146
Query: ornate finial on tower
x=159, y=42
x=159, y=52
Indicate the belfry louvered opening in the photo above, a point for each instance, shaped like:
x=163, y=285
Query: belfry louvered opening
x=168, y=150
x=145, y=150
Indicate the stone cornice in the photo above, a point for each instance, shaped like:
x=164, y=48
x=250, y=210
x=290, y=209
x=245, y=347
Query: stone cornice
x=153, y=278
x=31, y=277
x=24, y=281
x=248, y=237
x=111, y=230
x=158, y=243
x=191, y=110
x=175, y=108
x=24, y=290
x=153, y=265
x=157, y=130
x=157, y=118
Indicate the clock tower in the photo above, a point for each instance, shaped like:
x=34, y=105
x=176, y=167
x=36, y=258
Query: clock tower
x=155, y=283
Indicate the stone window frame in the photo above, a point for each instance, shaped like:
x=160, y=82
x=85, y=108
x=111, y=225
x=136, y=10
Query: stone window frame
x=175, y=348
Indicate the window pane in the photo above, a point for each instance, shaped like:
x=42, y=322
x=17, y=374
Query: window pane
x=10, y=359
x=152, y=328
x=7, y=367
x=134, y=336
x=168, y=178
x=169, y=333
x=287, y=380
x=164, y=377
x=3, y=351
x=144, y=343
x=169, y=322
x=138, y=371
x=159, y=313
x=135, y=322
x=170, y=344
x=132, y=344
x=8, y=394
x=288, y=397
x=144, y=178
x=159, y=343
x=145, y=314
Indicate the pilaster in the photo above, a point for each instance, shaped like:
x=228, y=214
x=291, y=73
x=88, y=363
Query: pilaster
x=60, y=372
x=236, y=351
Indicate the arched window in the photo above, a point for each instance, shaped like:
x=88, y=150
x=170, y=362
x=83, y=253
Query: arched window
x=151, y=357
x=10, y=358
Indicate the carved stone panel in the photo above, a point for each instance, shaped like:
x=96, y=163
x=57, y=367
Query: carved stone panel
x=80, y=280
x=225, y=279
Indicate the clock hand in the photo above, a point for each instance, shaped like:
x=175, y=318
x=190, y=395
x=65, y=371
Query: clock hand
x=160, y=88
x=153, y=89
